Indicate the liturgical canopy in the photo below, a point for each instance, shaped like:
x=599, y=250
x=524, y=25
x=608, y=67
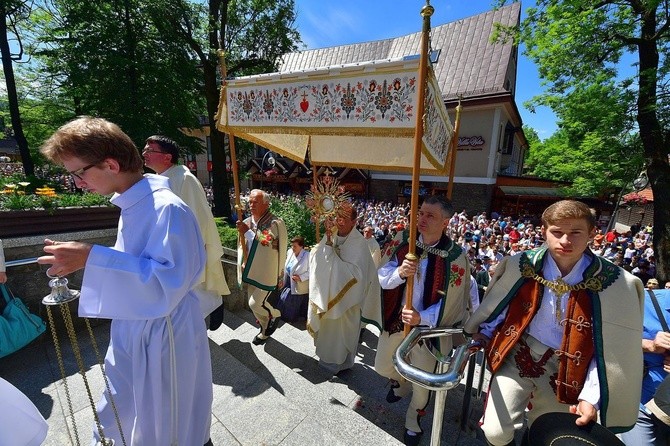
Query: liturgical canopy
x=358, y=115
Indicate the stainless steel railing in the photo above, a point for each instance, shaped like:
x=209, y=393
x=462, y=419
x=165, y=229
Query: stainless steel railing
x=19, y=262
x=450, y=370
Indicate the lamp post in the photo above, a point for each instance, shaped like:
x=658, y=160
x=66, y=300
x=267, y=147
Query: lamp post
x=271, y=162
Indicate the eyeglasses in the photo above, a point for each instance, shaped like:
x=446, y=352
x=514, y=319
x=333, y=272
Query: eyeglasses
x=79, y=172
x=152, y=151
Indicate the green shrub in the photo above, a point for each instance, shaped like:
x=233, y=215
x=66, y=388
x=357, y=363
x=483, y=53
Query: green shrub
x=293, y=211
x=297, y=218
x=227, y=233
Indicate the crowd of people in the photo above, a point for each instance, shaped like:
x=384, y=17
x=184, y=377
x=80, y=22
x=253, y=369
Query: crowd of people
x=560, y=247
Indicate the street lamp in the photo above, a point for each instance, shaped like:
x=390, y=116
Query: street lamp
x=641, y=181
x=271, y=162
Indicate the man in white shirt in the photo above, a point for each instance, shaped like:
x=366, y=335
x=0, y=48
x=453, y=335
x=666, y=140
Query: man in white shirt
x=261, y=260
x=440, y=298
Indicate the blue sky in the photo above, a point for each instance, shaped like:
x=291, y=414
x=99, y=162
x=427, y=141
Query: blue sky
x=324, y=23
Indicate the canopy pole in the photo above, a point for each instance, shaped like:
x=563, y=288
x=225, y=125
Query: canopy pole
x=315, y=177
x=426, y=12
x=239, y=210
x=454, y=149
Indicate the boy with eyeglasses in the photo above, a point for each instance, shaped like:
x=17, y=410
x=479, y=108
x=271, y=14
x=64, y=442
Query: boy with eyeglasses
x=158, y=361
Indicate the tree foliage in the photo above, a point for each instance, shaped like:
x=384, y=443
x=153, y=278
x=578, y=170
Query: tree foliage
x=14, y=13
x=250, y=35
x=579, y=47
x=106, y=59
x=152, y=66
x=595, y=147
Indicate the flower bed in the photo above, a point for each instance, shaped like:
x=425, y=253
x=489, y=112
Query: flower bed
x=37, y=208
x=54, y=221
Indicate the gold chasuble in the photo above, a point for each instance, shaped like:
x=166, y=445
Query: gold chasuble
x=604, y=322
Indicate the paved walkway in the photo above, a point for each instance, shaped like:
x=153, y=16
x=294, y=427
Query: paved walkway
x=278, y=385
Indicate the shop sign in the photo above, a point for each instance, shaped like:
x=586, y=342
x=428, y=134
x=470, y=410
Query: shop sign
x=407, y=191
x=471, y=143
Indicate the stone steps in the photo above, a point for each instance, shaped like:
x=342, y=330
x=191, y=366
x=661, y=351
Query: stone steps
x=274, y=394
x=351, y=404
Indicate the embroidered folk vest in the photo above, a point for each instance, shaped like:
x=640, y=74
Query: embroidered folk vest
x=577, y=346
x=436, y=281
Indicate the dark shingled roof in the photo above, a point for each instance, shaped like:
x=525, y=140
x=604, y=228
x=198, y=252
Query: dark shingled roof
x=469, y=64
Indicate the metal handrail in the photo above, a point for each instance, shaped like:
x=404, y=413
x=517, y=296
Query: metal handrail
x=19, y=262
x=443, y=381
x=439, y=382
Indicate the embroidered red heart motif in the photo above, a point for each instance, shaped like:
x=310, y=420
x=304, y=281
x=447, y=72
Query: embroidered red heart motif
x=304, y=105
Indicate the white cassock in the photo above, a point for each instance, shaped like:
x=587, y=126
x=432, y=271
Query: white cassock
x=158, y=360
x=2, y=258
x=213, y=282
x=375, y=251
x=343, y=288
x=21, y=424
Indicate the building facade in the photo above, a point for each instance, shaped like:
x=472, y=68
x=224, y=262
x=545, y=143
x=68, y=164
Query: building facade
x=470, y=69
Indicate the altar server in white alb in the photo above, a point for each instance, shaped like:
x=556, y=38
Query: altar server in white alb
x=21, y=424
x=158, y=360
x=161, y=155
x=3, y=271
x=343, y=291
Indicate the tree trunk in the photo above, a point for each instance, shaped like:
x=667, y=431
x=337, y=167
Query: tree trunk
x=220, y=182
x=655, y=150
x=12, y=97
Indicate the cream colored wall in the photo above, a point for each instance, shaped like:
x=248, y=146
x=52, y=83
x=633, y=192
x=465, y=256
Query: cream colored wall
x=474, y=161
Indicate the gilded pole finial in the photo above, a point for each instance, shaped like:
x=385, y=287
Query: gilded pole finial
x=221, y=54
x=427, y=10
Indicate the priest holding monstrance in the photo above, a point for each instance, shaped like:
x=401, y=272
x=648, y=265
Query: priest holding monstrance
x=343, y=284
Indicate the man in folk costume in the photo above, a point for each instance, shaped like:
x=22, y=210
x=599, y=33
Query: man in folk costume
x=562, y=329
x=158, y=361
x=161, y=155
x=440, y=298
x=343, y=289
x=262, y=265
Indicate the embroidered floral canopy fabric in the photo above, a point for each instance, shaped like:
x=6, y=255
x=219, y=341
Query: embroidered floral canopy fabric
x=358, y=115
